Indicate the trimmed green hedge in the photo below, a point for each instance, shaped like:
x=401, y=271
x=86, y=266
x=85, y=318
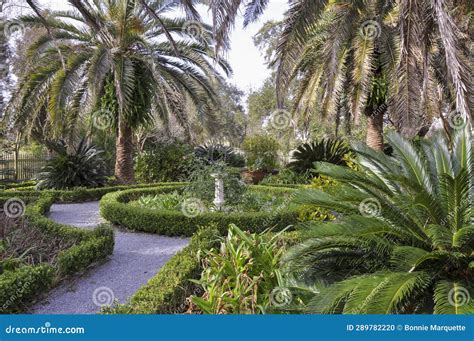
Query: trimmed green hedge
x=166, y=293
x=22, y=285
x=115, y=208
x=18, y=287
x=79, y=194
x=17, y=185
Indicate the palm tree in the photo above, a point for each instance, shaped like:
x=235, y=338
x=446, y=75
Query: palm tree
x=413, y=53
x=365, y=52
x=406, y=241
x=132, y=63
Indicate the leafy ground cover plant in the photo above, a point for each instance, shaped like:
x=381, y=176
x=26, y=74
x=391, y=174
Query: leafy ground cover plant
x=405, y=242
x=170, y=201
x=240, y=276
x=250, y=201
x=287, y=177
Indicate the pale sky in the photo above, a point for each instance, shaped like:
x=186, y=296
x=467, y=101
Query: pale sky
x=246, y=60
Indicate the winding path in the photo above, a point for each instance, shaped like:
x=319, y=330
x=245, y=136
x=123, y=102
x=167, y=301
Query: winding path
x=136, y=258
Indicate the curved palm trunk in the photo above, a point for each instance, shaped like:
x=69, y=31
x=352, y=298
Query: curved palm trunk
x=124, y=171
x=374, y=137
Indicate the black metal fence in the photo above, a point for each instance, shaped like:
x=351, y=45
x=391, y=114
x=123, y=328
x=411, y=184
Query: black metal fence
x=20, y=166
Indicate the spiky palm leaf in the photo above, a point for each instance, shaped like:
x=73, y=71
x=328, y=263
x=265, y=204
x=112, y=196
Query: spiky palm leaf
x=405, y=243
x=327, y=150
x=83, y=167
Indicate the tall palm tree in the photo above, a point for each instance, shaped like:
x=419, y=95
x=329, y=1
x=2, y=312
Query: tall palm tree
x=340, y=58
x=131, y=62
x=414, y=53
x=405, y=243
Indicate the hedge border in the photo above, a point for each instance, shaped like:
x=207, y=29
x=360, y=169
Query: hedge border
x=79, y=194
x=114, y=208
x=18, y=287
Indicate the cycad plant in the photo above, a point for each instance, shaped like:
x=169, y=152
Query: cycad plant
x=405, y=241
x=327, y=150
x=213, y=153
x=123, y=62
x=82, y=167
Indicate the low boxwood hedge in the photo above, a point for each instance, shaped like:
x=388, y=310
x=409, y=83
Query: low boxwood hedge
x=22, y=285
x=79, y=194
x=18, y=287
x=167, y=291
x=115, y=208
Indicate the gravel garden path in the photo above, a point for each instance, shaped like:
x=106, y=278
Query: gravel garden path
x=136, y=258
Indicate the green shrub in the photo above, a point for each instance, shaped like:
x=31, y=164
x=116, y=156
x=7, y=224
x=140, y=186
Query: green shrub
x=326, y=150
x=261, y=152
x=239, y=277
x=165, y=162
x=167, y=291
x=115, y=207
x=214, y=153
x=287, y=177
x=83, y=167
x=202, y=185
x=19, y=287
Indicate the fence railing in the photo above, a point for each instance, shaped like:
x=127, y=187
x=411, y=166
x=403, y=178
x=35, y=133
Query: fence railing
x=20, y=166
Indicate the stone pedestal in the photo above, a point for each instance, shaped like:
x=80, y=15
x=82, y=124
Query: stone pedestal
x=219, y=191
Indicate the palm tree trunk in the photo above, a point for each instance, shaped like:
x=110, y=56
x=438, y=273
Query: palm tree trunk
x=374, y=137
x=3, y=71
x=124, y=171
